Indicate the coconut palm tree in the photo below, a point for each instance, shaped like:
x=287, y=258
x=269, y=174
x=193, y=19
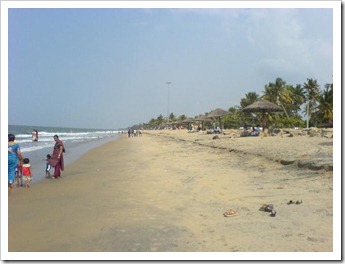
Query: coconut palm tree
x=312, y=93
x=274, y=90
x=245, y=117
x=182, y=117
x=279, y=93
x=160, y=120
x=172, y=117
x=325, y=108
x=298, y=99
x=250, y=98
x=234, y=118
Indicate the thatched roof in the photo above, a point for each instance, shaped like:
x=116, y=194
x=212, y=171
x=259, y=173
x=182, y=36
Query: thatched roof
x=218, y=113
x=188, y=120
x=263, y=105
x=203, y=118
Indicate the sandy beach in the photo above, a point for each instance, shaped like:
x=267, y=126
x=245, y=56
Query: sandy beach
x=167, y=191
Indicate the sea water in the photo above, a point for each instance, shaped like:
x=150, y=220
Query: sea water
x=76, y=141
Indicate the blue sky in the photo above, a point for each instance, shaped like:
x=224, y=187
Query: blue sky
x=108, y=68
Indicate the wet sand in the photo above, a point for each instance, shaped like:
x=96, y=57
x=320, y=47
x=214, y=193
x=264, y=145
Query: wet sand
x=167, y=191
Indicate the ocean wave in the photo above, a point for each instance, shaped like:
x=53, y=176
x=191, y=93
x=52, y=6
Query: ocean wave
x=45, y=136
x=25, y=149
x=27, y=145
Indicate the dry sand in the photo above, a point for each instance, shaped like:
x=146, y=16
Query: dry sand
x=168, y=190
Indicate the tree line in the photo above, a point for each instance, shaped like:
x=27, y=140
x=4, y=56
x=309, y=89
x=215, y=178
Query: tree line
x=315, y=104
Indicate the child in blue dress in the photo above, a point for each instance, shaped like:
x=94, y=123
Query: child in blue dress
x=48, y=166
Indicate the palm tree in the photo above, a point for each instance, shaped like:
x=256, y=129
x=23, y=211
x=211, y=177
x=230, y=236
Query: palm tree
x=172, y=117
x=182, y=117
x=244, y=117
x=250, y=98
x=160, y=120
x=298, y=98
x=279, y=93
x=274, y=90
x=325, y=108
x=312, y=92
x=234, y=118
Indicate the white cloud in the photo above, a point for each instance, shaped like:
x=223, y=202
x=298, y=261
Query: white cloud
x=283, y=43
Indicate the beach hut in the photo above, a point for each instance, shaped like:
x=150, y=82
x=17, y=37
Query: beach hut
x=263, y=106
x=188, y=121
x=218, y=113
x=202, y=119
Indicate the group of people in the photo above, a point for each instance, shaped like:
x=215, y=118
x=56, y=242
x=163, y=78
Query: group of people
x=253, y=131
x=135, y=133
x=195, y=128
x=20, y=167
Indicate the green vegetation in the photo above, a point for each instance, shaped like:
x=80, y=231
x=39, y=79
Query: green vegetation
x=315, y=104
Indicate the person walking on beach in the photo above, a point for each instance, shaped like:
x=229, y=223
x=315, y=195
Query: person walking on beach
x=14, y=156
x=27, y=173
x=56, y=160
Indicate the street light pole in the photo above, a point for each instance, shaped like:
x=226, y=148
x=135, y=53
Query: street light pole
x=168, y=83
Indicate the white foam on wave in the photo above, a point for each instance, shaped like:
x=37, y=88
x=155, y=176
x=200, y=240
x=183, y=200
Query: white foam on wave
x=34, y=148
x=45, y=139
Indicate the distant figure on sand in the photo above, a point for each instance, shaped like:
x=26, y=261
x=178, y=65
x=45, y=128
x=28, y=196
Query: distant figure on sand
x=48, y=166
x=56, y=160
x=27, y=173
x=14, y=155
x=34, y=135
x=199, y=127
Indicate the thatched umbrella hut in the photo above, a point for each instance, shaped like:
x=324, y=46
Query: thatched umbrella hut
x=187, y=121
x=203, y=118
x=263, y=106
x=218, y=113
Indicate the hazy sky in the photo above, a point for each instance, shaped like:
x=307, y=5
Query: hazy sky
x=108, y=68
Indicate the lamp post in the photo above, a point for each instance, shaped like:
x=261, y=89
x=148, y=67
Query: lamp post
x=168, y=83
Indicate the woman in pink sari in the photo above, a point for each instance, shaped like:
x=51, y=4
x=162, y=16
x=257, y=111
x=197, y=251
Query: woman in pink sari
x=56, y=159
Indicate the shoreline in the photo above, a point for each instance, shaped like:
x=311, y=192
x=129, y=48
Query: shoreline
x=167, y=192
x=74, y=151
